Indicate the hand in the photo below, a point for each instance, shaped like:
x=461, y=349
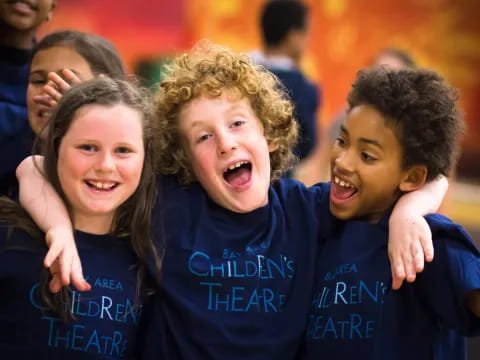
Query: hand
x=63, y=261
x=410, y=242
x=57, y=85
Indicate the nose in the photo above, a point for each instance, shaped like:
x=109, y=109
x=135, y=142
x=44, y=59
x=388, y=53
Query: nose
x=226, y=142
x=344, y=161
x=106, y=162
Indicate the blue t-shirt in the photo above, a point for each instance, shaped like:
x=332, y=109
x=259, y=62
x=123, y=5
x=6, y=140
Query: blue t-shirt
x=236, y=286
x=106, y=317
x=306, y=97
x=355, y=314
x=15, y=133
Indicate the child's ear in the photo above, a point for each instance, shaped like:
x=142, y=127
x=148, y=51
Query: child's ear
x=414, y=178
x=272, y=146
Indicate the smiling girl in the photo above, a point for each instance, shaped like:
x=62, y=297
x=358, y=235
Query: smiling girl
x=98, y=156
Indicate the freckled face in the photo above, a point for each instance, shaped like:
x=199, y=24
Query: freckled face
x=230, y=156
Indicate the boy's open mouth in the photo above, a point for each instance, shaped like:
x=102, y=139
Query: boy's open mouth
x=238, y=174
x=343, y=189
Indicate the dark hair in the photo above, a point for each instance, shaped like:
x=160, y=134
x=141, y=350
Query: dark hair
x=133, y=217
x=421, y=108
x=399, y=54
x=97, y=51
x=279, y=17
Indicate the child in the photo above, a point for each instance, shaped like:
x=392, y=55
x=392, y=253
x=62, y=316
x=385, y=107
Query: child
x=239, y=251
x=63, y=58
x=400, y=132
x=98, y=156
x=19, y=22
x=70, y=55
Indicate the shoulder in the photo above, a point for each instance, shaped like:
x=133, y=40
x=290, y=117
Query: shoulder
x=443, y=227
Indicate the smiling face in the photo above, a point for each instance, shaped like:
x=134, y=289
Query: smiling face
x=366, y=166
x=25, y=15
x=53, y=59
x=228, y=151
x=100, y=163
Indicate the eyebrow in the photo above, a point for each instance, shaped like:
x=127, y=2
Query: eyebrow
x=362, y=139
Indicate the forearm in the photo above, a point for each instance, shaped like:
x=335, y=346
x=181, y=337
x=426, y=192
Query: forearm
x=425, y=200
x=39, y=198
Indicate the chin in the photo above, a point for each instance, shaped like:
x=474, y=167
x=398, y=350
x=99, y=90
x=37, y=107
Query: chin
x=339, y=214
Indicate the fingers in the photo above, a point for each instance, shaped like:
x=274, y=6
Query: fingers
x=55, y=284
x=418, y=257
x=59, y=83
x=52, y=254
x=44, y=100
x=398, y=276
x=53, y=91
x=77, y=276
x=427, y=245
x=70, y=76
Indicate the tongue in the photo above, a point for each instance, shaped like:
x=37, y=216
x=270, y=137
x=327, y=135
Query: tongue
x=238, y=177
x=342, y=192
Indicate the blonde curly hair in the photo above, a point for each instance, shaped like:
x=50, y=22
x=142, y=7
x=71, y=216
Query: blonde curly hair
x=206, y=71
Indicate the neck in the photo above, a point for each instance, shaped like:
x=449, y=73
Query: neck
x=280, y=50
x=93, y=224
x=16, y=39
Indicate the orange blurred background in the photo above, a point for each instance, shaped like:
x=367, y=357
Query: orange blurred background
x=443, y=35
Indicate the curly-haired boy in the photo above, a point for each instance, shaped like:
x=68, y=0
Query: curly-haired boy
x=401, y=131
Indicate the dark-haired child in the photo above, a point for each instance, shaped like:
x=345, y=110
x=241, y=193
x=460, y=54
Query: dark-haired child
x=240, y=247
x=98, y=156
x=400, y=132
x=19, y=22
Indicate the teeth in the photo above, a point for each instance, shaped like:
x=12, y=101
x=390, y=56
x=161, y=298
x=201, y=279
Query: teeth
x=102, y=186
x=342, y=183
x=236, y=165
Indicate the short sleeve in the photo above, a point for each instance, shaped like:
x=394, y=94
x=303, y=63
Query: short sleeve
x=454, y=272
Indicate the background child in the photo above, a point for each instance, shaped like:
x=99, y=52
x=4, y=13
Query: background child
x=239, y=251
x=19, y=21
x=400, y=132
x=99, y=158
x=61, y=59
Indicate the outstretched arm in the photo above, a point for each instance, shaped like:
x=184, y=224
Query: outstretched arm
x=47, y=209
x=410, y=238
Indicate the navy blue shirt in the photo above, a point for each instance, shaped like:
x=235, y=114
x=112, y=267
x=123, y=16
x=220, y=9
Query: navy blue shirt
x=355, y=314
x=106, y=317
x=306, y=97
x=236, y=286
x=15, y=132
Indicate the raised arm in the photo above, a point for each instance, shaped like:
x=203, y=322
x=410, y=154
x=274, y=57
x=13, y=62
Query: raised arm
x=47, y=209
x=410, y=238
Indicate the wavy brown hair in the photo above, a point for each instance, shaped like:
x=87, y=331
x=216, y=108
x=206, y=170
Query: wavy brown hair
x=207, y=71
x=132, y=219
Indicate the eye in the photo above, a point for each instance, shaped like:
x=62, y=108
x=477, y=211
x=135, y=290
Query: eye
x=38, y=82
x=238, y=123
x=88, y=147
x=340, y=142
x=367, y=157
x=203, y=138
x=124, y=150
